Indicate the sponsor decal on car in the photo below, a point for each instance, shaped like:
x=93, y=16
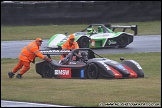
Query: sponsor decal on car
x=72, y=63
x=63, y=72
x=136, y=64
x=106, y=66
x=101, y=35
x=111, y=42
x=121, y=67
x=53, y=51
x=114, y=62
x=93, y=43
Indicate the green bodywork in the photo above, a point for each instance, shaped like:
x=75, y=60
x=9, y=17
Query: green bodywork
x=97, y=39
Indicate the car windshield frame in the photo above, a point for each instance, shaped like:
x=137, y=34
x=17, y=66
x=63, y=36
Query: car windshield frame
x=105, y=30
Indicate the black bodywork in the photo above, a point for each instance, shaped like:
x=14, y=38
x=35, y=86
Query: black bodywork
x=88, y=65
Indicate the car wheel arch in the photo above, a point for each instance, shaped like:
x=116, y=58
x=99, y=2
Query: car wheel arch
x=92, y=71
x=83, y=39
x=47, y=70
x=123, y=41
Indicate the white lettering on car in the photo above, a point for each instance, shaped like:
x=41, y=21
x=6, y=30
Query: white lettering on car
x=106, y=66
x=136, y=64
x=61, y=72
x=111, y=42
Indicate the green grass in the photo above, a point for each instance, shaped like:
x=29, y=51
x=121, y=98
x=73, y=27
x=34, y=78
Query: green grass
x=85, y=92
x=9, y=33
x=81, y=92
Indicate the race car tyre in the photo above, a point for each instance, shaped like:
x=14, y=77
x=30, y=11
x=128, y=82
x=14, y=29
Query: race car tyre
x=83, y=42
x=47, y=70
x=123, y=42
x=92, y=71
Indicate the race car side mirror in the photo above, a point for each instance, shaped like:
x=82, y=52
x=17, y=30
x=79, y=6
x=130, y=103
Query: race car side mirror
x=66, y=33
x=121, y=58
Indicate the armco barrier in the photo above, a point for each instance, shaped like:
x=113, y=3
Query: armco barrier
x=78, y=12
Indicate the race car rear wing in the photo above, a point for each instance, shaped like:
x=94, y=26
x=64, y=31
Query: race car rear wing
x=89, y=51
x=54, y=52
x=132, y=27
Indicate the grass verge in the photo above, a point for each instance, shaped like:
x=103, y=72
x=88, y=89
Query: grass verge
x=9, y=33
x=85, y=92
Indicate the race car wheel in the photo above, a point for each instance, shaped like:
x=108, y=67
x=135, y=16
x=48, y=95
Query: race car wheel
x=47, y=70
x=92, y=71
x=83, y=42
x=123, y=42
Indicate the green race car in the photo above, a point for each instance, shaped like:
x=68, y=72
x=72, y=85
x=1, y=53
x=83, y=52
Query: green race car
x=97, y=36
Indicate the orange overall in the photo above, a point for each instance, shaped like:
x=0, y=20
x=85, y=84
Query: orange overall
x=27, y=56
x=67, y=46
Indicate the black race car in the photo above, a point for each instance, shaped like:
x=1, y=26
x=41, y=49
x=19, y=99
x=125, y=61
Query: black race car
x=87, y=64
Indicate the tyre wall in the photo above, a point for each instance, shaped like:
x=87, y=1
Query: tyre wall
x=78, y=12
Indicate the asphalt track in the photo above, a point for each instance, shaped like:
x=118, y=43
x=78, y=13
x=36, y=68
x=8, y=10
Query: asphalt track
x=26, y=104
x=11, y=49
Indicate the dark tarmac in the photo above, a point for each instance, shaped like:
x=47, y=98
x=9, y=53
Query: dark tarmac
x=12, y=49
